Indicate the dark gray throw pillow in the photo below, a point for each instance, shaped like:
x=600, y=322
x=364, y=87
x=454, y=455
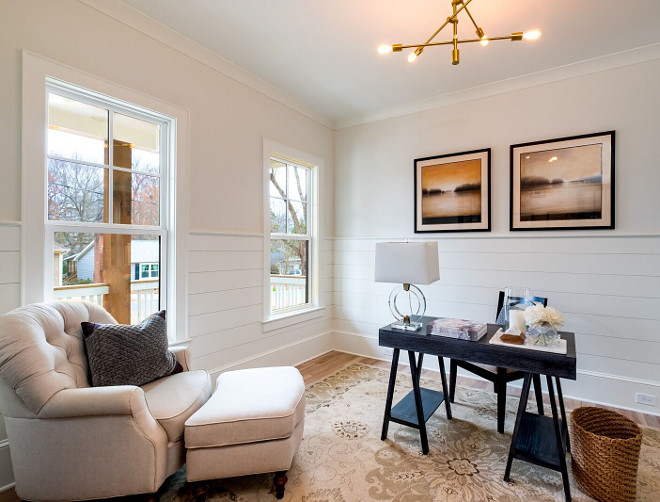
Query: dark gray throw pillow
x=120, y=354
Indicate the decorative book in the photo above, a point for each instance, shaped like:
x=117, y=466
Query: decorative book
x=457, y=328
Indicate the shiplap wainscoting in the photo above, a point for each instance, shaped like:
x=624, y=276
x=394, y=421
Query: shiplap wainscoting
x=10, y=265
x=10, y=298
x=225, y=305
x=607, y=287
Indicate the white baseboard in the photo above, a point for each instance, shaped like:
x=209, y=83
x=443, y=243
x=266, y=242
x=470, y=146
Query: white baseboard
x=591, y=387
x=7, y=487
x=290, y=354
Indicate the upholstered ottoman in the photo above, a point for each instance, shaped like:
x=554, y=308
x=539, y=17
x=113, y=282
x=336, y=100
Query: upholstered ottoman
x=252, y=424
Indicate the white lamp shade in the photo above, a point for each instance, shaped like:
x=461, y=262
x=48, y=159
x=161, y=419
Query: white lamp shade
x=407, y=262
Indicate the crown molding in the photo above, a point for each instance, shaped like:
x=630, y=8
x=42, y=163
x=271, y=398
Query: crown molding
x=573, y=70
x=148, y=26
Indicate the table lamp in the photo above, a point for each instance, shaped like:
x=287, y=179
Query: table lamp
x=407, y=263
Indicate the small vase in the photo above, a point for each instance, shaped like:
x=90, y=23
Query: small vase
x=542, y=335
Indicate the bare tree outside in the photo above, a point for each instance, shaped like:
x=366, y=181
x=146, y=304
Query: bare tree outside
x=75, y=193
x=290, y=221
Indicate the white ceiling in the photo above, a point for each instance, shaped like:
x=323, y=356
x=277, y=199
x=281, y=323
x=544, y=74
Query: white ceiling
x=324, y=53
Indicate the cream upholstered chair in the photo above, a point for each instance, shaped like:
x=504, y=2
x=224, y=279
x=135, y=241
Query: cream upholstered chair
x=70, y=441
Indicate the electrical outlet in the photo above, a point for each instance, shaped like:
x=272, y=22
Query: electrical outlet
x=647, y=399
x=388, y=351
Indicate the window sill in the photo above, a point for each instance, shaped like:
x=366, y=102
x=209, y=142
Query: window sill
x=178, y=342
x=291, y=318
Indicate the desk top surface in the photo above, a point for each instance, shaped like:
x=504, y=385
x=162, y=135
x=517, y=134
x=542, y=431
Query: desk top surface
x=535, y=361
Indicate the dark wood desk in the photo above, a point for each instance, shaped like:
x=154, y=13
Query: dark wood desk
x=538, y=439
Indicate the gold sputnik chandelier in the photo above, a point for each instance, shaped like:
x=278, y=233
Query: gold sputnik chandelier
x=458, y=6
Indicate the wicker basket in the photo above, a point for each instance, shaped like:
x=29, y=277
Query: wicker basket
x=605, y=449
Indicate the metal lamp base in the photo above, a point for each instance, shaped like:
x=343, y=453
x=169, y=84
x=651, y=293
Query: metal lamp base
x=414, y=304
x=406, y=326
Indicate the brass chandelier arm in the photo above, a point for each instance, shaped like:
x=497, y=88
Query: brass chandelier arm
x=450, y=19
x=513, y=37
x=480, y=32
x=454, y=52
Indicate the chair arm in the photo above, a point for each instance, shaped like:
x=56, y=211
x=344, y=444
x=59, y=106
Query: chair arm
x=95, y=401
x=183, y=355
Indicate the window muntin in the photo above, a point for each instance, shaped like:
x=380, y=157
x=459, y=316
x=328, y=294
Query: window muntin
x=147, y=271
x=290, y=236
x=107, y=196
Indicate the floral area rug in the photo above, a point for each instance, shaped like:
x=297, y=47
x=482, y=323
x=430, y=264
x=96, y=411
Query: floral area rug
x=342, y=459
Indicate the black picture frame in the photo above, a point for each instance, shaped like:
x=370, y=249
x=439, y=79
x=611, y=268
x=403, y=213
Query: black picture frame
x=452, y=192
x=563, y=184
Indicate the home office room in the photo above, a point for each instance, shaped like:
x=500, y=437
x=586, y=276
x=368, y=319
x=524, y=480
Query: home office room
x=346, y=252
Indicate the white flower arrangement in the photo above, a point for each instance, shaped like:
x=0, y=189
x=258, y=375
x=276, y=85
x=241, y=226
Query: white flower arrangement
x=539, y=316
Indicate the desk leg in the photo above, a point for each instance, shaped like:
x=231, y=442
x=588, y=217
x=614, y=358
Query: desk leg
x=418, y=402
x=560, y=447
x=443, y=377
x=538, y=392
x=420, y=360
x=560, y=397
x=524, y=396
x=390, y=394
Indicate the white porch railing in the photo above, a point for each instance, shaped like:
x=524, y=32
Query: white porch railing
x=144, y=299
x=144, y=296
x=88, y=292
x=287, y=291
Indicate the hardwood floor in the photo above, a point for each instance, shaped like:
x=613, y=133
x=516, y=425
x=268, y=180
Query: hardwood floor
x=322, y=366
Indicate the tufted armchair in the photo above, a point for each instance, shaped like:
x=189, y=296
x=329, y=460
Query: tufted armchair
x=70, y=441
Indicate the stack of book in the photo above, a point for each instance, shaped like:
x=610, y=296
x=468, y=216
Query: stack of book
x=457, y=328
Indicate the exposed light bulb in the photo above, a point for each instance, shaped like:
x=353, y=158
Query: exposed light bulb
x=482, y=36
x=552, y=159
x=532, y=35
x=384, y=49
x=411, y=57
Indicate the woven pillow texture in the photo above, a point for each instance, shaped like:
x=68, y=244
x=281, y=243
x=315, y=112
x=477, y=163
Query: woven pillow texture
x=120, y=354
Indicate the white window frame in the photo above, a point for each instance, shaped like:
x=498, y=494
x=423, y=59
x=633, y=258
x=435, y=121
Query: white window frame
x=37, y=245
x=311, y=309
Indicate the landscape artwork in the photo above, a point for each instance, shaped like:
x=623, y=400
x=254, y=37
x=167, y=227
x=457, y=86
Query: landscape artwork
x=452, y=192
x=564, y=183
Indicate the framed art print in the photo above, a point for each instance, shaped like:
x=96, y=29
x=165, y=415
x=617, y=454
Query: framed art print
x=565, y=183
x=452, y=192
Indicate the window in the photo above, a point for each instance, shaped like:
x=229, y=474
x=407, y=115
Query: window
x=40, y=249
x=291, y=214
x=290, y=235
x=146, y=271
x=106, y=201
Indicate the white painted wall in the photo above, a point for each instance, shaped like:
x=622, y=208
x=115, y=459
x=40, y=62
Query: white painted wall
x=606, y=282
x=10, y=298
x=227, y=124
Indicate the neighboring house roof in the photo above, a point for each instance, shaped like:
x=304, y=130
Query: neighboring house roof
x=77, y=256
x=58, y=248
x=142, y=251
